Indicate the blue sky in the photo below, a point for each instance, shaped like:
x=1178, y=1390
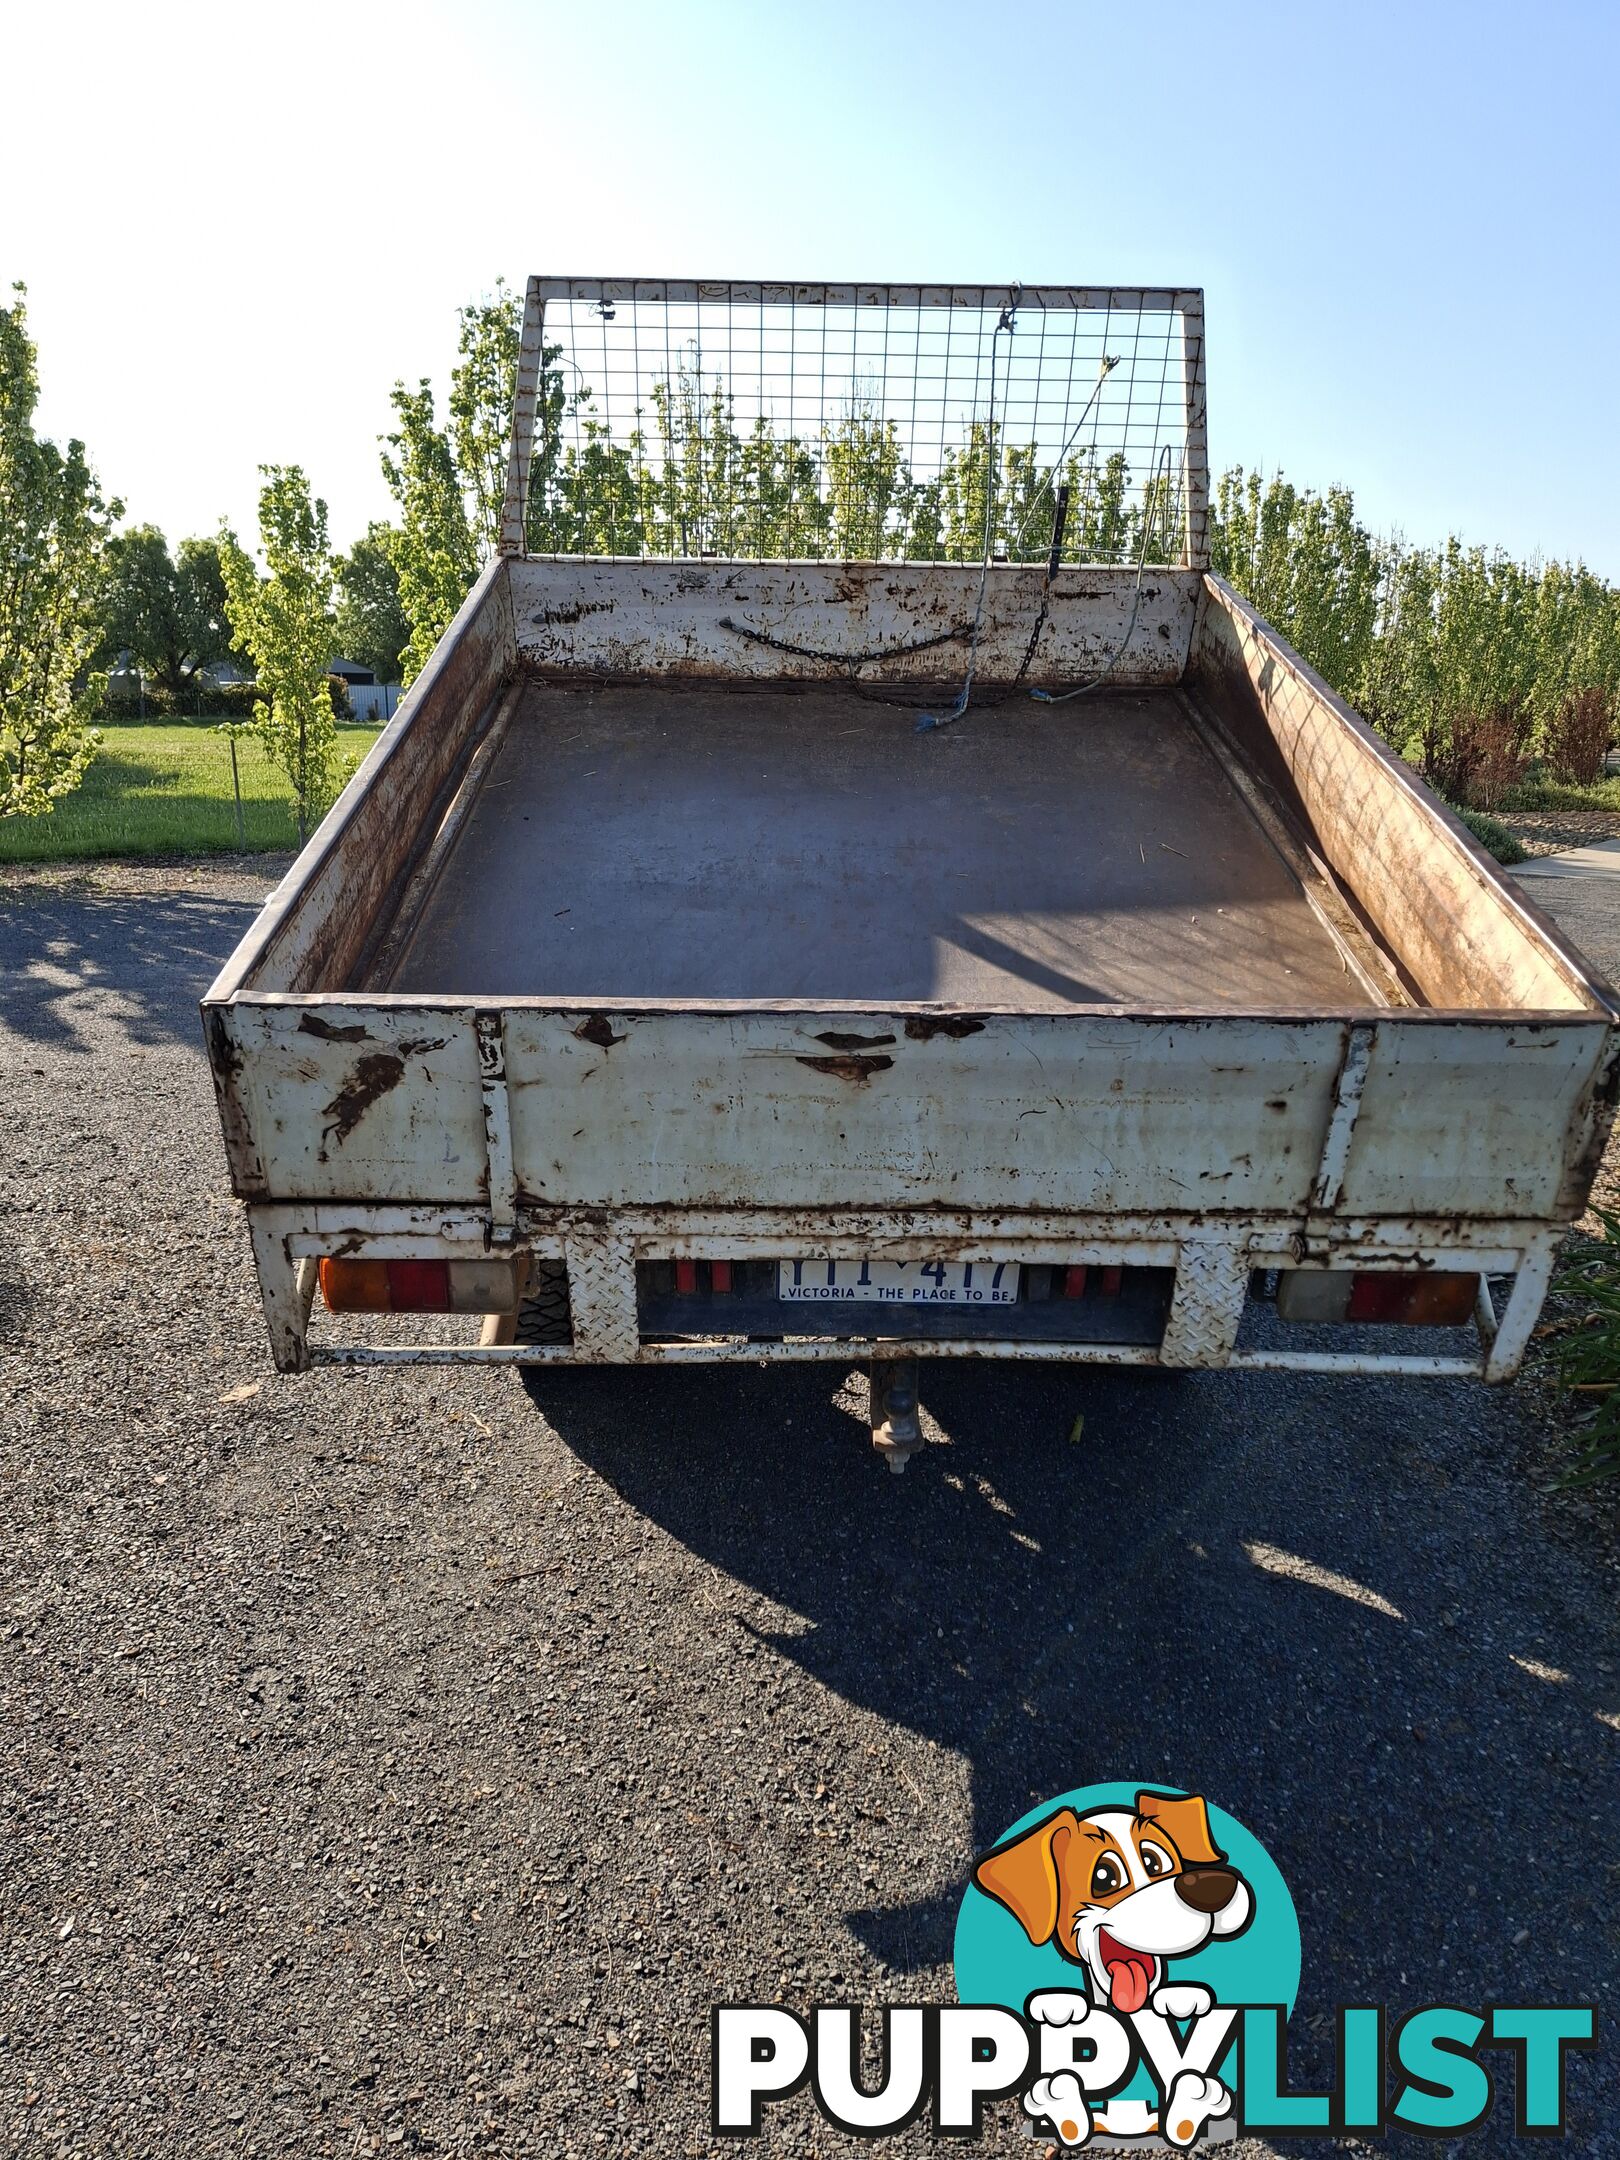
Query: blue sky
x=1404, y=216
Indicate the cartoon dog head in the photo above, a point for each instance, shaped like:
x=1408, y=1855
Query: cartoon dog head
x=1119, y=1891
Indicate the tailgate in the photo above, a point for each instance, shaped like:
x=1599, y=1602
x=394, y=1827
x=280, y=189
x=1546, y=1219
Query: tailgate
x=389, y=1100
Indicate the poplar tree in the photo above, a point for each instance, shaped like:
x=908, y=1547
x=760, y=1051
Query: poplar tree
x=53, y=535
x=284, y=620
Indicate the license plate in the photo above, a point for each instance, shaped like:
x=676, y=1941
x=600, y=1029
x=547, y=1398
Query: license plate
x=897, y=1282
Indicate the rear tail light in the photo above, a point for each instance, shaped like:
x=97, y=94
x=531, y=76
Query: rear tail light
x=1041, y=1283
x=465, y=1286
x=690, y=1277
x=1434, y=1298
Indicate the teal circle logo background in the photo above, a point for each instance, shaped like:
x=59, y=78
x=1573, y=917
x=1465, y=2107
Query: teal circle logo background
x=997, y=1963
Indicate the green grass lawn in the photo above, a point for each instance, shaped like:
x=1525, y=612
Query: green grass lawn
x=167, y=791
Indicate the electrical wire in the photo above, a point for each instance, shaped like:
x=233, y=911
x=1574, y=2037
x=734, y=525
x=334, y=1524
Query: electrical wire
x=1110, y=361
x=927, y=721
x=1062, y=697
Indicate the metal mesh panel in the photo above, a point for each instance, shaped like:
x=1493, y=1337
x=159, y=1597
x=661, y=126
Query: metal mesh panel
x=862, y=422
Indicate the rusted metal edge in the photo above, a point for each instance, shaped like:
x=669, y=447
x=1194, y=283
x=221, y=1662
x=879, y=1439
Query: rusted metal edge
x=1567, y=960
x=746, y=292
x=900, y=1009
x=677, y=1230
x=851, y=1350
x=1588, y=1137
x=275, y=917
x=226, y=1064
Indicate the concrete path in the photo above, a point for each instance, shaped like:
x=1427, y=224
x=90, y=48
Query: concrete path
x=1601, y=859
x=1580, y=890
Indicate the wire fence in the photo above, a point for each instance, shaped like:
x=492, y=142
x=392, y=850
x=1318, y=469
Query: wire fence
x=863, y=422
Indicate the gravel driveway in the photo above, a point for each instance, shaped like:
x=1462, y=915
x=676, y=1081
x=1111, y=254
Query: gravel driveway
x=410, y=1759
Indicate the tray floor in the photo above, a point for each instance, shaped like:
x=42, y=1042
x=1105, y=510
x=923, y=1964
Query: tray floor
x=675, y=842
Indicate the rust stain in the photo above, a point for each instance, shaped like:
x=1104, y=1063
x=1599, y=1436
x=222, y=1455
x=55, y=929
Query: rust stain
x=222, y=1050
x=372, y=1078
x=835, y=1041
x=855, y=1068
x=324, y=1031
x=923, y=1027
x=570, y=612
x=599, y=1030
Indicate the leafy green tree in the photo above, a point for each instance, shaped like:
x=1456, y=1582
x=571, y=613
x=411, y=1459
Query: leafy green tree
x=285, y=621
x=54, y=528
x=1307, y=564
x=168, y=613
x=371, y=627
x=435, y=551
x=449, y=481
x=1099, y=521
x=866, y=471
x=1400, y=686
x=482, y=386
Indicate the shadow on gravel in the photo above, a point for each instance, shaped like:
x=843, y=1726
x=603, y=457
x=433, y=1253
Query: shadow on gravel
x=1132, y=1606
x=139, y=960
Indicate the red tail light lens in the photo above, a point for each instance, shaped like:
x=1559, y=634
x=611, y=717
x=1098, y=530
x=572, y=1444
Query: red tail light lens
x=1389, y=1298
x=467, y=1286
x=419, y=1285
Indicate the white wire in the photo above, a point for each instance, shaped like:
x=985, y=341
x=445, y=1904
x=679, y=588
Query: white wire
x=1110, y=361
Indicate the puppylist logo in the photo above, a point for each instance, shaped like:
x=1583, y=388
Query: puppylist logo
x=1127, y=1959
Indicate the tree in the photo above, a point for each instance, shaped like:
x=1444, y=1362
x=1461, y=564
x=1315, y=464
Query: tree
x=1306, y=563
x=53, y=534
x=482, y=386
x=285, y=621
x=168, y=614
x=435, y=554
x=371, y=625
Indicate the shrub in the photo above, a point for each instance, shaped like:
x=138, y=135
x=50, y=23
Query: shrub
x=342, y=704
x=1589, y=1362
x=1481, y=756
x=1578, y=736
x=210, y=700
x=1493, y=836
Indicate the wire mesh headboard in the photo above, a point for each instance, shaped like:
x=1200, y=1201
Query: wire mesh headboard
x=667, y=417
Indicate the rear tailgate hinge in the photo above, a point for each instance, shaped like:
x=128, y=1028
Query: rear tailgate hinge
x=497, y=1127
x=1349, y=1084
